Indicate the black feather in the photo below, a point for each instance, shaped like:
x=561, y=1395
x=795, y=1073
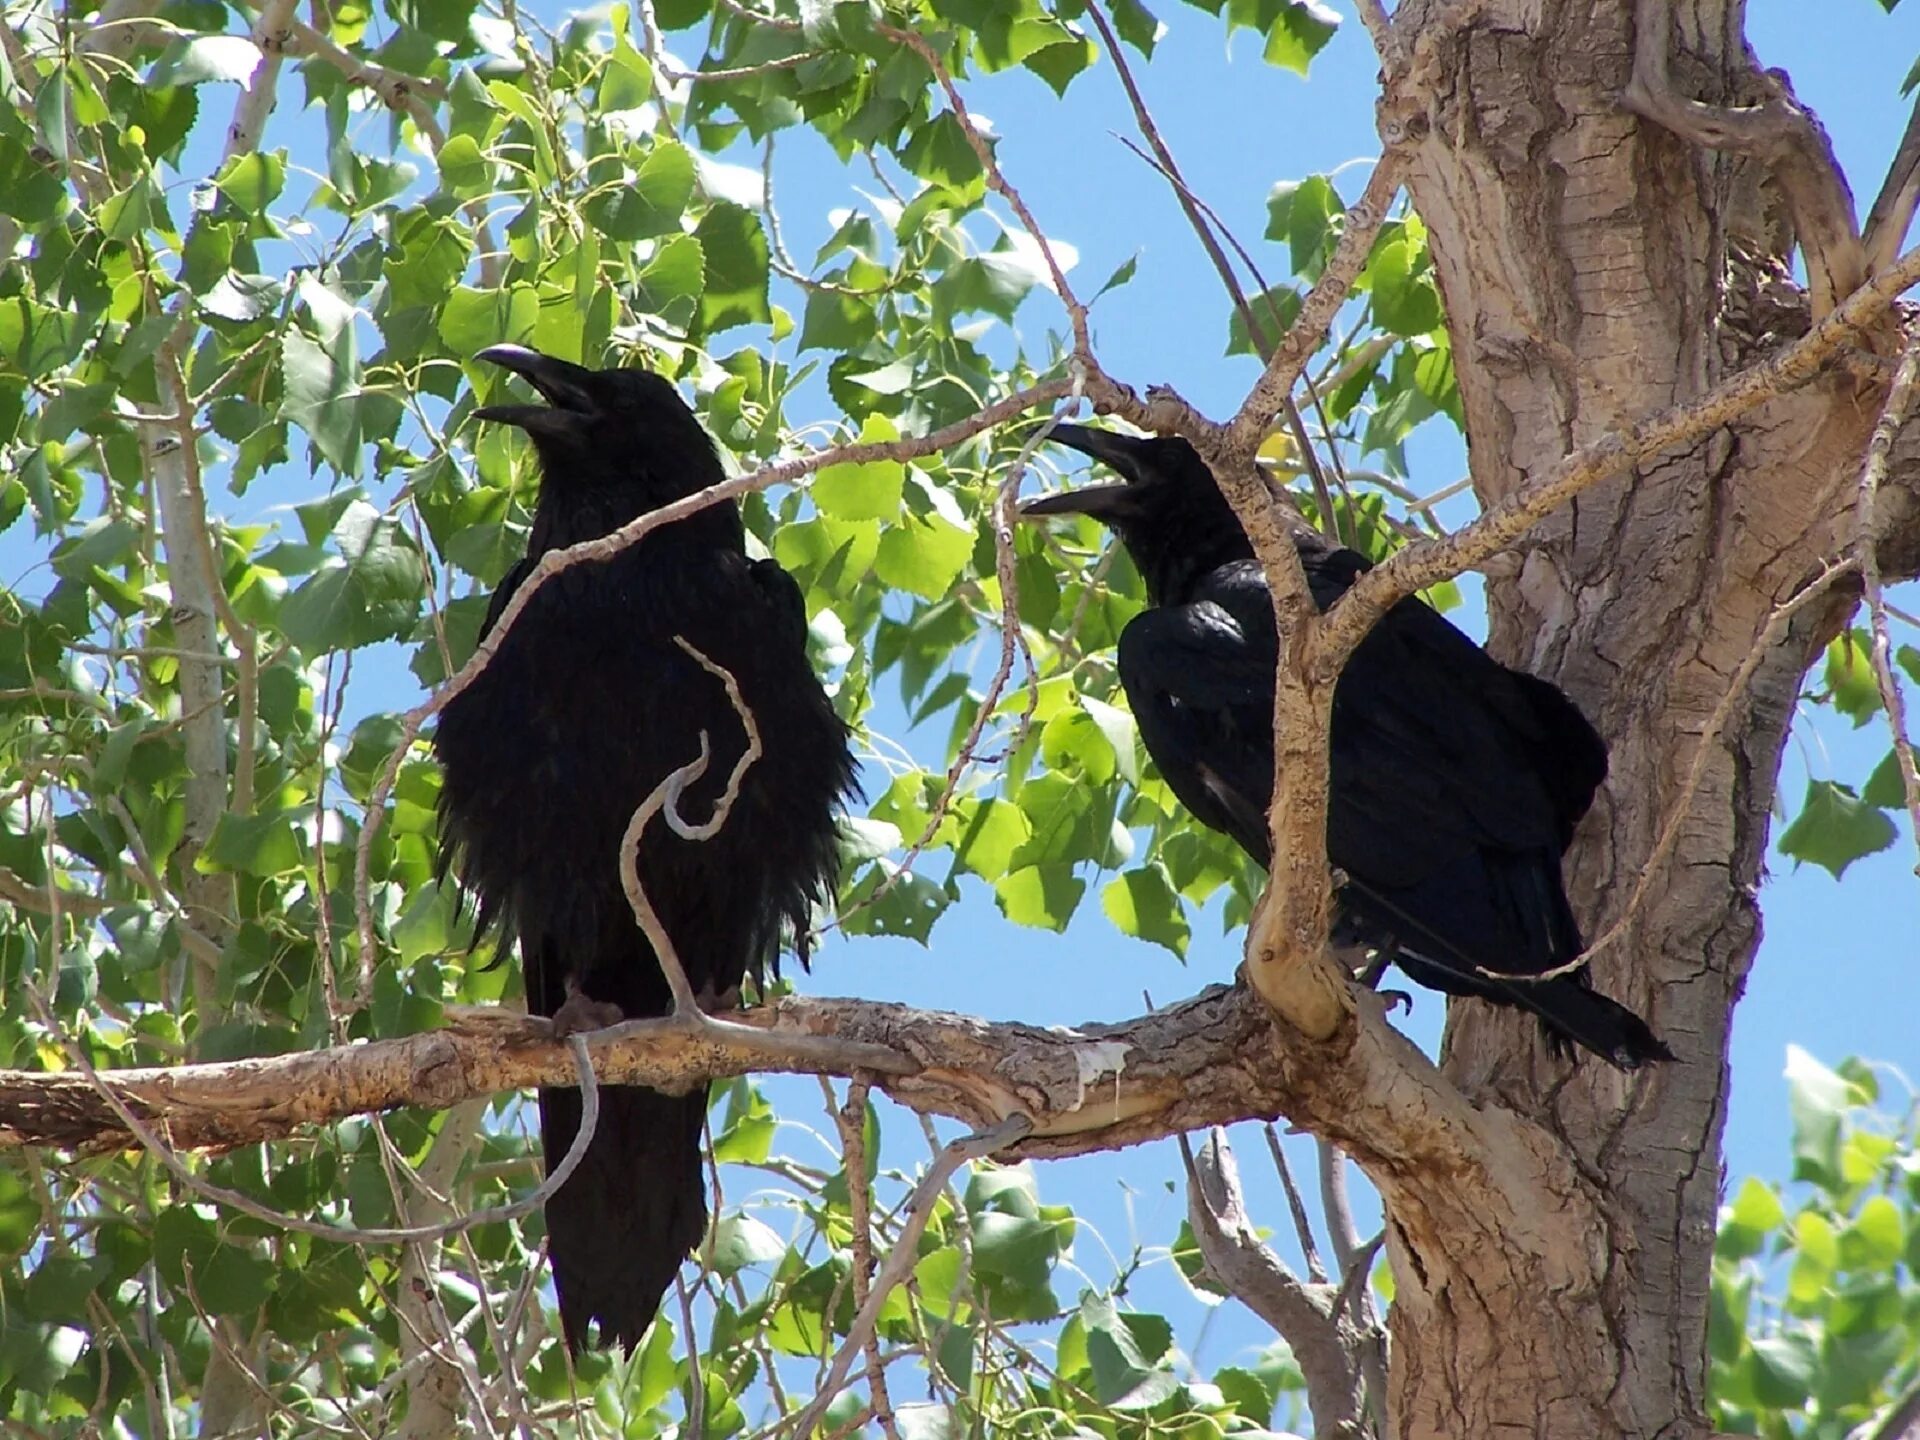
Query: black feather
x=588, y=705
x=1455, y=782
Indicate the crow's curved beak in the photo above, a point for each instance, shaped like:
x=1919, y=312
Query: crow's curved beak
x=565, y=387
x=1118, y=452
x=1099, y=501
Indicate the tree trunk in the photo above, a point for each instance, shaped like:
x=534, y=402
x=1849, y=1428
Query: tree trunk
x=1589, y=261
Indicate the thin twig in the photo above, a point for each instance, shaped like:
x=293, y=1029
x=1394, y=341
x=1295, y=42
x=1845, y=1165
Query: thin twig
x=1866, y=547
x=1335, y=1204
x=1703, y=751
x=1426, y=562
x=905, y=1252
x=1076, y=312
x=851, y=1120
x=1302, y=1226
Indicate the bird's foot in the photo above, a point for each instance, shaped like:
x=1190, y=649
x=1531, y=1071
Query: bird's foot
x=713, y=1001
x=1392, y=1000
x=581, y=1013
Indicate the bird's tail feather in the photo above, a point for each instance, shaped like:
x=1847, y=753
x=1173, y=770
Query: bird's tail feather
x=1573, y=1012
x=620, y=1227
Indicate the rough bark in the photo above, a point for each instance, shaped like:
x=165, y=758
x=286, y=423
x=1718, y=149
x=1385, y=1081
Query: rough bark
x=1584, y=254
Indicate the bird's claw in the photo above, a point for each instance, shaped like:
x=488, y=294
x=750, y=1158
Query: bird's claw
x=1392, y=1000
x=580, y=1013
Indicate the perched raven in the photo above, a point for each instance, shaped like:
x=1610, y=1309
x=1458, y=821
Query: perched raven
x=587, y=707
x=1455, y=784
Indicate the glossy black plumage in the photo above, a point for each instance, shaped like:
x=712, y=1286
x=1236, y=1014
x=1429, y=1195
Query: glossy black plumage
x=1455, y=782
x=588, y=705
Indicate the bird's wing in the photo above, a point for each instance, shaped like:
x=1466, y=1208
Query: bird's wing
x=1201, y=688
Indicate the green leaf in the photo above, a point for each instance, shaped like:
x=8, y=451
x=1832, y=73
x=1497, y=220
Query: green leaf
x=253, y=181
x=1273, y=312
x=321, y=382
x=940, y=153
x=1850, y=682
x=1018, y=1248
x=253, y=844
x=1757, y=1207
x=1875, y=1238
x=1043, y=896
x=1783, y=1369
x=1303, y=214
x=1883, y=787
x=870, y=490
x=1142, y=903
x=1835, y=828
x=1817, y=1101
x=923, y=555
x=677, y=271
x=1403, y=302
x=1124, y=1376
x=1137, y=26
x=740, y=1240
x=234, y=1281
x=990, y=832
x=1300, y=32
x=473, y=319
x=747, y=1138
x=1247, y=1393
x=372, y=592
x=60, y=1285
x=735, y=250
x=652, y=202
x=19, y=1212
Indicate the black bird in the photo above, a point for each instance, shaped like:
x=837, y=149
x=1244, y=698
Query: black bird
x=1455, y=782
x=588, y=705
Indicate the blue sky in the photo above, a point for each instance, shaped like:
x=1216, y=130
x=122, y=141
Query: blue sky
x=1838, y=959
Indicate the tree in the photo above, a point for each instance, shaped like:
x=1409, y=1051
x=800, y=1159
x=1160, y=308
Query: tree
x=1691, y=470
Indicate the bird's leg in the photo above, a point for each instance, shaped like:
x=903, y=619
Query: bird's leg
x=580, y=1013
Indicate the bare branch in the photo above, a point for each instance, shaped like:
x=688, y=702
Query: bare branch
x=106, y=1087
x=851, y=1120
x=1778, y=132
x=1302, y=1227
x=1892, y=213
x=1363, y=220
x=1336, y=1206
x=1305, y=1315
x=1866, y=552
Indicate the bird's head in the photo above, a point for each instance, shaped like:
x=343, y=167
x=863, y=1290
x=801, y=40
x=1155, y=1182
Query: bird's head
x=1168, y=511
x=606, y=428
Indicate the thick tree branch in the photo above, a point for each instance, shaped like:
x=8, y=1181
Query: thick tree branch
x=1429, y=561
x=1213, y=1059
x=1778, y=132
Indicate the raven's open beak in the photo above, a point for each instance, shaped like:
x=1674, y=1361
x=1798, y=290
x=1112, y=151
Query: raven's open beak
x=1114, y=450
x=562, y=384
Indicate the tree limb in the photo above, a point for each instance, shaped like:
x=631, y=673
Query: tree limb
x=1780, y=133
x=1306, y=1315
